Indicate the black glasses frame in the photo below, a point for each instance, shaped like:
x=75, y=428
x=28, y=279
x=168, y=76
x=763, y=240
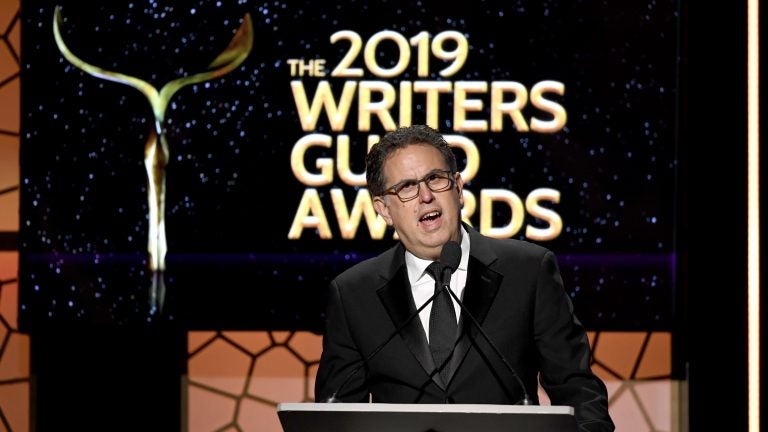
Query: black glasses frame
x=397, y=187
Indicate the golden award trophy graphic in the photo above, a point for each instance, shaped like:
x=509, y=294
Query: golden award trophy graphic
x=156, y=149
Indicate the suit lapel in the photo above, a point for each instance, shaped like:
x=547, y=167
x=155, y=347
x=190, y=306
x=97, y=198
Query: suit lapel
x=479, y=292
x=397, y=298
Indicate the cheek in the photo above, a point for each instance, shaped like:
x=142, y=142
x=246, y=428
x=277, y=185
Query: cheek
x=405, y=207
x=403, y=210
x=407, y=211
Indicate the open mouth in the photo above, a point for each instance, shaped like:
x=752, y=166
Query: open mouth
x=430, y=217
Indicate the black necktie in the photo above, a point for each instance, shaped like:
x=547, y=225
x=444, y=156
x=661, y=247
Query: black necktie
x=442, y=325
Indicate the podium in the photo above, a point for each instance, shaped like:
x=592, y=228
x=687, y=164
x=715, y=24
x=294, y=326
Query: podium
x=381, y=417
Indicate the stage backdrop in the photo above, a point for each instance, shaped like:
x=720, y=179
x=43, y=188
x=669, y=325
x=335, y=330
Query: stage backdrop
x=204, y=163
x=201, y=164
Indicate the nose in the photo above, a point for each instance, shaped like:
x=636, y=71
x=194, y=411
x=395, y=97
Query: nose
x=425, y=194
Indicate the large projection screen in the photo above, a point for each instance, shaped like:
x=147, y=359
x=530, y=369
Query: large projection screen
x=562, y=115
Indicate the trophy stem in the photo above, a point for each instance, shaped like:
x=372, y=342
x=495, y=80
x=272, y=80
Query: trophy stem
x=155, y=160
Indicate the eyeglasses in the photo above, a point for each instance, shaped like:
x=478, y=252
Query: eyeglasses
x=436, y=181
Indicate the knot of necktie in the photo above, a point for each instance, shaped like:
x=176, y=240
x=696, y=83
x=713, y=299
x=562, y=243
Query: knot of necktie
x=434, y=270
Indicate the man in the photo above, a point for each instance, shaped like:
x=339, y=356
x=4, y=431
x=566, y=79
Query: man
x=376, y=347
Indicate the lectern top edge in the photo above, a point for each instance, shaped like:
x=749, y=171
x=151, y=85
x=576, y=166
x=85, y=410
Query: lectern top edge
x=436, y=408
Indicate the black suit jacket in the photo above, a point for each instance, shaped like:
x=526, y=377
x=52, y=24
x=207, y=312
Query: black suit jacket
x=513, y=289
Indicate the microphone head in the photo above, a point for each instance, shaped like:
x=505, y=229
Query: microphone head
x=450, y=255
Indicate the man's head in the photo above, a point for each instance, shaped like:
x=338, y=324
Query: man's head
x=412, y=176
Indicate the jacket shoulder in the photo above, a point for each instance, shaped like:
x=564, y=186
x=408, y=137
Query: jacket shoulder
x=371, y=272
x=509, y=248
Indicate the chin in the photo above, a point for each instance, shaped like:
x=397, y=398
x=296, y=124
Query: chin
x=437, y=240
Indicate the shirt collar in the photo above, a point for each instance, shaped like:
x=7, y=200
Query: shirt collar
x=464, y=262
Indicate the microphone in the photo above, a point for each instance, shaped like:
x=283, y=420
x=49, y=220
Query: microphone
x=450, y=258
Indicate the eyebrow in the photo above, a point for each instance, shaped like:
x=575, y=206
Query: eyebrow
x=434, y=171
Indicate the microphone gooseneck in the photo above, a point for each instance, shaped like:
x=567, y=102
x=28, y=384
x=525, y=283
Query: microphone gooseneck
x=452, y=258
x=452, y=254
x=332, y=398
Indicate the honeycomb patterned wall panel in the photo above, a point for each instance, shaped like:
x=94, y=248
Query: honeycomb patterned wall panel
x=9, y=117
x=276, y=367
x=9, y=290
x=246, y=374
x=15, y=387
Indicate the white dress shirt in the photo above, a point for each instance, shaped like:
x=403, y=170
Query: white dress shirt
x=423, y=284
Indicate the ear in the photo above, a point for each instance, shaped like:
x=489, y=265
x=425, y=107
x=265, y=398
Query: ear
x=460, y=188
x=382, y=209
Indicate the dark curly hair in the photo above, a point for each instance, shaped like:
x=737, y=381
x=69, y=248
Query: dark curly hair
x=398, y=139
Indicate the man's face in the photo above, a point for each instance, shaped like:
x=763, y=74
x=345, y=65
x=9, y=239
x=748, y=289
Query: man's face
x=425, y=223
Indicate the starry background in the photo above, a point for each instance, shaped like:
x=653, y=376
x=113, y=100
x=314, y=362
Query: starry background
x=231, y=195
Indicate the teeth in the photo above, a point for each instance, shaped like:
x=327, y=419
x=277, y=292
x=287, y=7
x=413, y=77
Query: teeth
x=430, y=215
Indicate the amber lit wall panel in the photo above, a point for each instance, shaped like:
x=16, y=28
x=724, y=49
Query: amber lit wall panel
x=15, y=388
x=236, y=379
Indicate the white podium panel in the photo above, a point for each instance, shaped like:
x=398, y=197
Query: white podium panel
x=379, y=417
